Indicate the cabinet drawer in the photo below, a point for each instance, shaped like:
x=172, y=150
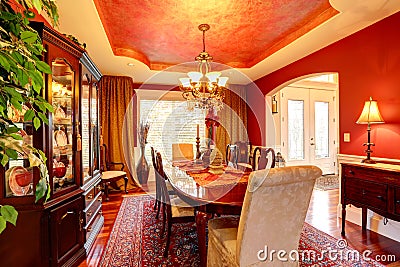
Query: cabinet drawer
x=367, y=193
x=91, y=227
x=93, y=209
x=352, y=171
x=89, y=196
x=397, y=200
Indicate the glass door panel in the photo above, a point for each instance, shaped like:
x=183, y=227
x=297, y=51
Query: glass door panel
x=296, y=129
x=62, y=128
x=321, y=125
x=85, y=111
x=94, y=118
x=18, y=174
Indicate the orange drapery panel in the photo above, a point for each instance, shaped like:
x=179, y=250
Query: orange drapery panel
x=233, y=118
x=116, y=93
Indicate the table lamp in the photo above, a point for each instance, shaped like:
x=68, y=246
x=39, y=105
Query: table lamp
x=370, y=115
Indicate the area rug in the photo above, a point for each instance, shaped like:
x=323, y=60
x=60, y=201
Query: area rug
x=327, y=182
x=135, y=241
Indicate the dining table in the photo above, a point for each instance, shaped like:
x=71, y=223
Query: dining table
x=209, y=193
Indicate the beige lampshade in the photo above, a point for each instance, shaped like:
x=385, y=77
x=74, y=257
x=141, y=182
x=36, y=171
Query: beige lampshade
x=370, y=113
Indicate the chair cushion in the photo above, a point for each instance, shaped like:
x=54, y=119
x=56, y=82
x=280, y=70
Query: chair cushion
x=180, y=208
x=222, y=233
x=112, y=174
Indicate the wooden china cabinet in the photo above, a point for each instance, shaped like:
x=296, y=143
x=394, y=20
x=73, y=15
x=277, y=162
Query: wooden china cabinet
x=90, y=122
x=57, y=232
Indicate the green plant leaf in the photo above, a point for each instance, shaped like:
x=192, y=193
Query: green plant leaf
x=16, y=136
x=33, y=160
x=36, y=78
x=4, y=159
x=18, y=57
x=29, y=114
x=7, y=15
x=36, y=122
x=15, y=101
x=29, y=36
x=12, y=129
x=41, y=189
x=9, y=213
x=37, y=4
x=4, y=62
x=43, y=117
x=48, y=106
x=2, y=224
x=11, y=153
x=41, y=105
x=13, y=92
x=43, y=67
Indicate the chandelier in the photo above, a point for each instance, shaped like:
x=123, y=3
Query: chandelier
x=204, y=89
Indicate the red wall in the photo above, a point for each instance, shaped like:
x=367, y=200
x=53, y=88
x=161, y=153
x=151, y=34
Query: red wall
x=368, y=63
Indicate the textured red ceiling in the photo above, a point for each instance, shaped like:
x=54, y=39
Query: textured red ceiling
x=243, y=32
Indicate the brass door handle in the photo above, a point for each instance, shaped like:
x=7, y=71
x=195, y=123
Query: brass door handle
x=65, y=215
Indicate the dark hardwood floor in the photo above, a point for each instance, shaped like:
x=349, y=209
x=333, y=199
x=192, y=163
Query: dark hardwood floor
x=321, y=214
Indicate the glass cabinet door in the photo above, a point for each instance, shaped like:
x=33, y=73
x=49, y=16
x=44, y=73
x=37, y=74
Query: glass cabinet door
x=90, y=126
x=95, y=133
x=85, y=109
x=62, y=98
x=18, y=175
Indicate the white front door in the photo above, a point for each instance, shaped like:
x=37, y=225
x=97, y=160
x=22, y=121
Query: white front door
x=308, y=127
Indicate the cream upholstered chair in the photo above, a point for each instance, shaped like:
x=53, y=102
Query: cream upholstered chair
x=182, y=151
x=273, y=213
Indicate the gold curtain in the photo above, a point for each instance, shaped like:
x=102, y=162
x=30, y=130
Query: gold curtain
x=232, y=118
x=116, y=94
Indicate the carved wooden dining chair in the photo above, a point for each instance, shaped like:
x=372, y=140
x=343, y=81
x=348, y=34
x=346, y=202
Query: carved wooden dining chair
x=157, y=204
x=273, y=213
x=244, y=148
x=174, y=209
x=231, y=155
x=111, y=171
x=243, y=158
x=263, y=157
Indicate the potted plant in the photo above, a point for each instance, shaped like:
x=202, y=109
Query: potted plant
x=21, y=84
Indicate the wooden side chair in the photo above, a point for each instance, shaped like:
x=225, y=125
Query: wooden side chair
x=157, y=203
x=109, y=173
x=174, y=210
x=243, y=158
x=244, y=148
x=231, y=155
x=262, y=156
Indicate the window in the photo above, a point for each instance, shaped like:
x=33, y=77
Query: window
x=296, y=129
x=170, y=122
x=321, y=130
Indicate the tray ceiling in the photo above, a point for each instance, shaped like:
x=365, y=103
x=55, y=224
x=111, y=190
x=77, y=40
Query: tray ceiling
x=243, y=32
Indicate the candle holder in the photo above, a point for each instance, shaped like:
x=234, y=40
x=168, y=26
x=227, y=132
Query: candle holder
x=198, y=154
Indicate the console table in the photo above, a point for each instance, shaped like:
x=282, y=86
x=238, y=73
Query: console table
x=371, y=186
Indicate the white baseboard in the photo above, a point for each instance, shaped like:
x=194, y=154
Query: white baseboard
x=375, y=222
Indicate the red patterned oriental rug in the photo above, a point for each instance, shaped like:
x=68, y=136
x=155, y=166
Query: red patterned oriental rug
x=135, y=241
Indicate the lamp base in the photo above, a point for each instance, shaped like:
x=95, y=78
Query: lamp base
x=368, y=161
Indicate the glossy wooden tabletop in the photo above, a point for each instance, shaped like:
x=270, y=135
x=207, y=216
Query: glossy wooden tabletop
x=196, y=183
